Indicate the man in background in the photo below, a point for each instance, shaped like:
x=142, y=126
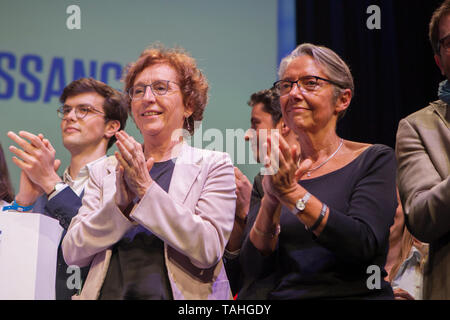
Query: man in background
x=265, y=118
x=423, y=155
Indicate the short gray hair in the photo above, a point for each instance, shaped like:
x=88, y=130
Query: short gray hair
x=333, y=66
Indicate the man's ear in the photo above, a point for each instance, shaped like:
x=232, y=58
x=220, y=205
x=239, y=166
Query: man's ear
x=284, y=129
x=437, y=59
x=111, y=127
x=343, y=101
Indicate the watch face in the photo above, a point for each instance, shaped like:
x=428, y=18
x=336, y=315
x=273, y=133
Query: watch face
x=300, y=205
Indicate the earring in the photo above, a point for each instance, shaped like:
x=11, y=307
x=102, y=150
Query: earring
x=188, y=126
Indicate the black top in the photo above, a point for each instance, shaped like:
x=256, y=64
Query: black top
x=362, y=201
x=232, y=265
x=137, y=269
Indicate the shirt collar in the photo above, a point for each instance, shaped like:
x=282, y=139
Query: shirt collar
x=414, y=254
x=84, y=172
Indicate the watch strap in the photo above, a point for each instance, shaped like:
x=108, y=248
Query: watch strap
x=319, y=220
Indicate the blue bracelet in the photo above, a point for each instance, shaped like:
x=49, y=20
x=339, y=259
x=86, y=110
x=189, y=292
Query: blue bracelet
x=15, y=206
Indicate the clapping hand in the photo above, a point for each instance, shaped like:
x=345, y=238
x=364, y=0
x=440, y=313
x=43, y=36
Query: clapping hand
x=37, y=161
x=282, y=162
x=133, y=169
x=243, y=193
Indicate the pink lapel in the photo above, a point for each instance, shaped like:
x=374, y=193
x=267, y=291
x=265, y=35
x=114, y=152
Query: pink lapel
x=187, y=168
x=109, y=181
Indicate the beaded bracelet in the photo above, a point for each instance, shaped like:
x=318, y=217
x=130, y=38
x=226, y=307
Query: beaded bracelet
x=270, y=235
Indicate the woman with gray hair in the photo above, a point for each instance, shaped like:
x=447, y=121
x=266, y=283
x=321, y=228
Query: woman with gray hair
x=322, y=229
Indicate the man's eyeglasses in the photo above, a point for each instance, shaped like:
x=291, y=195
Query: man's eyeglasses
x=159, y=88
x=306, y=83
x=81, y=111
x=444, y=43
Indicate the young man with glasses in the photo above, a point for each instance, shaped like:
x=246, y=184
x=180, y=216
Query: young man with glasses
x=91, y=114
x=423, y=153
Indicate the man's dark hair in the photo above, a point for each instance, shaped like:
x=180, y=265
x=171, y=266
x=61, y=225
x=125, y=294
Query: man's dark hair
x=115, y=105
x=270, y=101
x=438, y=14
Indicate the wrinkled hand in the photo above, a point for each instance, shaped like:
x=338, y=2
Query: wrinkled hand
x=268, y=191
x=281, y=162
x=303, y=167
x=123, y=196
x=136, y=170
x=243, y=193
x=37, y=161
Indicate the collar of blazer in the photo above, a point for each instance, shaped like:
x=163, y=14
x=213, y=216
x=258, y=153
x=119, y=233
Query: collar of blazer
x=187, y=168
x=443, y=111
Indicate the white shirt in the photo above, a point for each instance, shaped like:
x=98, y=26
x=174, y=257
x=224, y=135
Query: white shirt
x=409, y=277
x=3, y=203
x=80, y=182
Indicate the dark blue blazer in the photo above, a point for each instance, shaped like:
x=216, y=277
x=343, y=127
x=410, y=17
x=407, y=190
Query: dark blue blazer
x=62, y=207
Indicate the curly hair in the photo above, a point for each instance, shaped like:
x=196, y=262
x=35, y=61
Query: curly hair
x=193, y=83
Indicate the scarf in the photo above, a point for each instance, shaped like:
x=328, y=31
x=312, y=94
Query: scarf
x=444, y=91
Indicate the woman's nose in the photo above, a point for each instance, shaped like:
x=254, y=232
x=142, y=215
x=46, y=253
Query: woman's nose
x=296, y=91
x=148, y=94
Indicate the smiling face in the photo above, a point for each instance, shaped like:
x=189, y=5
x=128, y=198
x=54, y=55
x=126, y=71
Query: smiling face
x=158, y=116
x=89, y=132
x=309, y=111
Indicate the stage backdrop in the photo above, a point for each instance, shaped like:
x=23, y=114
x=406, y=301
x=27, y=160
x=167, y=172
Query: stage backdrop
x=44, y=46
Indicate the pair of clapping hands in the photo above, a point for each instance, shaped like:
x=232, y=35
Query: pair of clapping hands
x=282, y=168
x=132, y=171
x=39, y=167
x=37, y=161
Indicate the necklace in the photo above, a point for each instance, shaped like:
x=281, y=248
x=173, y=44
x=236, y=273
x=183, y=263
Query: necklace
x=308, y=173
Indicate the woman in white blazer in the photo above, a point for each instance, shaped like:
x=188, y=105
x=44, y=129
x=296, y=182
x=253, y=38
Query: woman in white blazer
x=132, y=216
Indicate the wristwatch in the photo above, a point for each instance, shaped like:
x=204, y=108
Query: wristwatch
x=301, y=204
x=58, y=186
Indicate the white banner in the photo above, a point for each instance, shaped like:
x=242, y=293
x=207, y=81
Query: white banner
x=28, y=252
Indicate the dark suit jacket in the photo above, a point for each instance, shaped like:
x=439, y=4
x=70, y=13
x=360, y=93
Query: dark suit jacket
x=62, y=207
x=423, y=155
x=232, y=266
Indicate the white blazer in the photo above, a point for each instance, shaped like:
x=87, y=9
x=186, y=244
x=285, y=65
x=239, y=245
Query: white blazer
x=194, y=219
